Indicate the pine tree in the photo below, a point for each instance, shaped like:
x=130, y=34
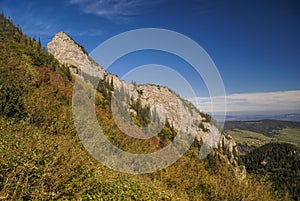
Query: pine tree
x=39, y=43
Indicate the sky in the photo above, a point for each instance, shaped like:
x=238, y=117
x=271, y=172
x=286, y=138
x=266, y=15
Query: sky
x=255, y=44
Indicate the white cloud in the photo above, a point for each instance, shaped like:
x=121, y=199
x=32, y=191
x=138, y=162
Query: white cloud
x=113, y=9
x=249, y=102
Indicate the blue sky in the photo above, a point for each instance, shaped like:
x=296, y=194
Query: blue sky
x=254, y=44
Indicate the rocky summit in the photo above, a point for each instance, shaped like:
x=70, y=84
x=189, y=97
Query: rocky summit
x=73, y=55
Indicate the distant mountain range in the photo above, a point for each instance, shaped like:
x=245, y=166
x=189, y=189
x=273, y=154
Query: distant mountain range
x=255, y=117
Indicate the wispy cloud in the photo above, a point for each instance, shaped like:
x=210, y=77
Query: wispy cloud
x=270, y=101
x=88, y=32
x=114, y=9
x=38, y=27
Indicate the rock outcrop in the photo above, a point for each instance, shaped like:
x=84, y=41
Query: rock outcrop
x=73, y=55
x=181, y=114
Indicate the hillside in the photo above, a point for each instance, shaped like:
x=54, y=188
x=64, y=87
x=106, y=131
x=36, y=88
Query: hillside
x=42, y=157
x=281, y=162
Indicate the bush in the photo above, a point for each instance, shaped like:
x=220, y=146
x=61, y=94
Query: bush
x=11, y=101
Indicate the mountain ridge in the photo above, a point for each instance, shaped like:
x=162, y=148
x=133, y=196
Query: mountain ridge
x=182, y=115
x=248, y=117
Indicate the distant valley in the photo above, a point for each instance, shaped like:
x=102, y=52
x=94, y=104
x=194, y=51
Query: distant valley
x=252, y=134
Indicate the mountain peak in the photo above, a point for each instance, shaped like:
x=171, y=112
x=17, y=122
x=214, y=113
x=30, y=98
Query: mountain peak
x=62, y=34
x=71, y=54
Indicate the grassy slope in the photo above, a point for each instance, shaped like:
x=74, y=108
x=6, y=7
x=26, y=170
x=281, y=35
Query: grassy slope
x=290, y=135
x=244, y=136
x=41, y=156
x=43, y=159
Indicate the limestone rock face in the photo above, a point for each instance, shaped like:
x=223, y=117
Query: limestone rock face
x=180, y=113
x=69, y=53
x=229, y=147
x=165, y=101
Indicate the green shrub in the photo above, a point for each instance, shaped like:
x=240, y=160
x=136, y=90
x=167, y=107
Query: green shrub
x=11, y=101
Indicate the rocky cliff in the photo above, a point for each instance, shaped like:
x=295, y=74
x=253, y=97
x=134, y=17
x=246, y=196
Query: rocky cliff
x=73, y=55
x=166, y=105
